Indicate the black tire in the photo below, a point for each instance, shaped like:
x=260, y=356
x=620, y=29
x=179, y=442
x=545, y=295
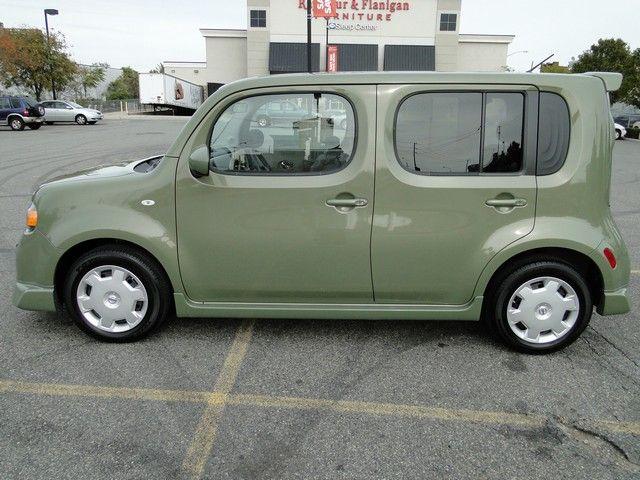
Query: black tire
x=16, y=124
x=81, y=119
x=49, y=123
x=141, y=265
x=34, y=126
x=507, y=287
x=618, y=134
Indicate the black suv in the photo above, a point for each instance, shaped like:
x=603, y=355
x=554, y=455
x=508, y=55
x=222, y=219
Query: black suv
x=627, y=120
x=20, y=111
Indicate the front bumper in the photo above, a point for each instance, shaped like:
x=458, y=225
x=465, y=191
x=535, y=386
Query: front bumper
x=615, y=302
x=36, y=260
x=95, y=118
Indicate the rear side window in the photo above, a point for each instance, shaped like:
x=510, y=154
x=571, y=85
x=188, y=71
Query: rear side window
x=553, y=133
x=284, y=134
x=15, y=103
x=454, y=133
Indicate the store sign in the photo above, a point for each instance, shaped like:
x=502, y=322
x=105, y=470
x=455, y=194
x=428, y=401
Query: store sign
x=357, y=10
x=332, y=58
x=325, y=8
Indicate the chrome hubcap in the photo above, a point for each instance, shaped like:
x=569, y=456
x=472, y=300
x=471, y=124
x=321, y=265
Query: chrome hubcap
x=112, y=298
x=543, y=310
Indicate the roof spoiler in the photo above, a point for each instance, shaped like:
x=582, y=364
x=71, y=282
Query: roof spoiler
x=612, y=81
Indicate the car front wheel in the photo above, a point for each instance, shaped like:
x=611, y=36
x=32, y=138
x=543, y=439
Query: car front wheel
x=81, y=120
x=542, y=307
x=117, y=293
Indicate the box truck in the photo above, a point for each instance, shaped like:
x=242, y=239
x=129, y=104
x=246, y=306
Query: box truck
x=162, y=90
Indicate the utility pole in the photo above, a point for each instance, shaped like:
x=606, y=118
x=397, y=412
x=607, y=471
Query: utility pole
x=50, y=11
x=309, y=36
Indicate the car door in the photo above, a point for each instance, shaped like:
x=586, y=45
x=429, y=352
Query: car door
x=284, y=214
x=455, y=184
x=65, y=112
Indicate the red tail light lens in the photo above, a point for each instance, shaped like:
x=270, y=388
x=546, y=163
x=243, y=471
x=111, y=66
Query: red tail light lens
x=25, y=113
x=610, y=256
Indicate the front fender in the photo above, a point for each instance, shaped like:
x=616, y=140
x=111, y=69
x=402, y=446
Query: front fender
x=138, y=208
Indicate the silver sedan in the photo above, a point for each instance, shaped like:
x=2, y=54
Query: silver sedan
x=67, y=111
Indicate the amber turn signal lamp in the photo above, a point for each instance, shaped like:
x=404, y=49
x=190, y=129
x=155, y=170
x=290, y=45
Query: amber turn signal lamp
x=611, y=258
x=32, y=217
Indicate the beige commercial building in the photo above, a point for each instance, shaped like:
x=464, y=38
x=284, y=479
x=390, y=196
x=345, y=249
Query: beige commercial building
x=366, y=35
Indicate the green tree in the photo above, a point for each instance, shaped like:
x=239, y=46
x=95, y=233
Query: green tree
x=125, y=86
x=91, y=76
x=28, y=60
x=158, y=69
x=554, y=67
x=613, y=55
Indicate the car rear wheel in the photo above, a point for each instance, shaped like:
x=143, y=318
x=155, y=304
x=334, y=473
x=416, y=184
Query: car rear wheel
x=542, y=307
x=16, y=123
x=618, y=134
x=34, y=126
x=117, y=293
x=81, y=120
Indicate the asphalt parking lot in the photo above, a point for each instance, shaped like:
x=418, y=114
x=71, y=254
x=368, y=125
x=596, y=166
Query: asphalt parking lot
x=301, y=399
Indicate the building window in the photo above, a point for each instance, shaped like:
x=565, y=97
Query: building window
x=258, y=18
x=448, y=22
x=284, y=134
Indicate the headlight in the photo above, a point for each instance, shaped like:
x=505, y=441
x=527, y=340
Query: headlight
x=32, y=217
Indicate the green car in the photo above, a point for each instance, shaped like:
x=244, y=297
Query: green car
x=422, y=196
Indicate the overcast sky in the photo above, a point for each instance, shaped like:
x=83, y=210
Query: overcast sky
x=142, y=33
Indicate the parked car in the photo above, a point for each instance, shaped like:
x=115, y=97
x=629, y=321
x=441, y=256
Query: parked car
x=20, y=111
x=498, y=209
x=627, y=120
x=621, y=132
x=278, y=113
x=67, y=111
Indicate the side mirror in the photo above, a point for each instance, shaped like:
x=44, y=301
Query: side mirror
x=199, y=160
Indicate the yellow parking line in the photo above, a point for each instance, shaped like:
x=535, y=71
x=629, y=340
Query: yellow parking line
x=205, y=435
x=300, y=403
x=386, y=409
x=56, y=389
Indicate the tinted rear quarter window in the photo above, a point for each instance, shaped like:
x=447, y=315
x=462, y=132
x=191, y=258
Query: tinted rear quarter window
x=553, y=133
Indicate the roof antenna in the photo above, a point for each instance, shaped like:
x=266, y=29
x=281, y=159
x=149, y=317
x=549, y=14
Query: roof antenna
x=537, y=65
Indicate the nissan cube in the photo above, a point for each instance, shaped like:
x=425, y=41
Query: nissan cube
x=420, y=196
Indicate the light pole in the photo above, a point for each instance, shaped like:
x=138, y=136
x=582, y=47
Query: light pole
x=50, y=11
x=519, y=51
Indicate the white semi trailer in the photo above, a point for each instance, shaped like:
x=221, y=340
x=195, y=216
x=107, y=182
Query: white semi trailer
x=162, y=90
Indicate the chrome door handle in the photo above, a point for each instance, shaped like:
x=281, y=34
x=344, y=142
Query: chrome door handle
x=506, y=202
x=347, y=202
